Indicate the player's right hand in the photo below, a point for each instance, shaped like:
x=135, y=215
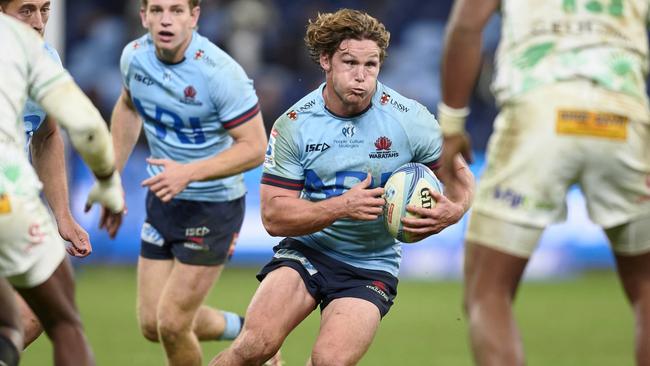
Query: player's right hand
x=362, y=202
x=108, y=193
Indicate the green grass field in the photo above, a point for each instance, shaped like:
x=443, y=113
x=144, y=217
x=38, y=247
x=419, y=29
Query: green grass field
x=581, y=321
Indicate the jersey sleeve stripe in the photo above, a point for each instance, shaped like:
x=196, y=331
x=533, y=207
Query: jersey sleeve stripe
x=244, y=117
x=286, y=183
x=433, y=165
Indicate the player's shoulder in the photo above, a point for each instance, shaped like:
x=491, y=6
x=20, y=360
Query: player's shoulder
x=395, y=104
x=137, y=47
x=211, y=59
x=53, y=53
x=305, y=110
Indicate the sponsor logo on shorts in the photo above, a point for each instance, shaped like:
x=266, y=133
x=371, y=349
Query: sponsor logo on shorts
x=379, y=288
x=197, y=231
x=150, y=235
x=294, y=255
x=195, y=246
x=516, y=199
x=5, y=204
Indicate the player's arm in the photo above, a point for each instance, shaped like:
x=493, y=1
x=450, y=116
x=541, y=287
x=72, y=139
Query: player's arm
x=461, y=63
x=246, y=152
x=126, y=125
x=68, y=105
x=284, y=213
x=48, y=158
x=450, y=206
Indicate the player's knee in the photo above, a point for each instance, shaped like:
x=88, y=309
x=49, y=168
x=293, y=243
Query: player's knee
x=324, y=357
x=253, y=347
x=169, y=330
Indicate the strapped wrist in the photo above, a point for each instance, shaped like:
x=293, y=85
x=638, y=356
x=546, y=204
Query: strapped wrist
x=452, y=120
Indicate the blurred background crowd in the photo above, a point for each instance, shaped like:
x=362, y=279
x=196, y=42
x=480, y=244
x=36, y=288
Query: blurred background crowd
x=266, y=38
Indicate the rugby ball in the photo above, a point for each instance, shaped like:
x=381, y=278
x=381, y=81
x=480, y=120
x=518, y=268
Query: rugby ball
x=408, y=186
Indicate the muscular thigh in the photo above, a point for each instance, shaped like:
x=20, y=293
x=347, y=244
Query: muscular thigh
x=30, y=246
x=152, y=278
x=348, y=326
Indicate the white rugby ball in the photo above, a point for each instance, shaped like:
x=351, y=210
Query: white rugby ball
x=408, y=186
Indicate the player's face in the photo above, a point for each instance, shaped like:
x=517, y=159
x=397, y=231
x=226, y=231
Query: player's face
x=352, y=74
x=34, y=13
x=170, y=23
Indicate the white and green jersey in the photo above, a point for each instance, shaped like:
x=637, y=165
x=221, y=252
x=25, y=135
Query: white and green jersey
x=545, y=41
x=27, y=71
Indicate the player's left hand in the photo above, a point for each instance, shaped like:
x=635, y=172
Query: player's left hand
x=431, y=221
x=171, y=181
x=78, y=240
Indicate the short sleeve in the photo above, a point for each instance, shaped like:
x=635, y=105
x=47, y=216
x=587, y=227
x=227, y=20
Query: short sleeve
x=282, y=165
x=234, y=96
x=425, y=137
x=44, y=73
x=125, y=62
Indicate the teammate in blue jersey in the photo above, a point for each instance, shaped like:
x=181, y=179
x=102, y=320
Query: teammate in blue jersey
x=45, y=143
x=327, y=160
x=204, y=128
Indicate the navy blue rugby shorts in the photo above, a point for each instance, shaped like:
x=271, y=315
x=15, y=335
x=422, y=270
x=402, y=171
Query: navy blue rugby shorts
x=327, y=279
x=193, y=232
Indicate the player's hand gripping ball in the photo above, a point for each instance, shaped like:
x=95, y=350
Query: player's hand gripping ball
x=410, y=184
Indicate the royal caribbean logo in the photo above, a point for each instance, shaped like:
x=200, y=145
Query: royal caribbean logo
x=189, y=96
x=383, y=151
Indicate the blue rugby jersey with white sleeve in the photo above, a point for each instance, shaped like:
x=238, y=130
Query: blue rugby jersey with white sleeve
x=188, y=108
x=323, y=155
x=33, y=114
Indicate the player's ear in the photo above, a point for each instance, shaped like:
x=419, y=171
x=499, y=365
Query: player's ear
x=194, y=13
x=325, y=61
x=143, y=17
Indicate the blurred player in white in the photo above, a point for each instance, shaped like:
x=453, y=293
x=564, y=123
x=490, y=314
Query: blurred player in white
x=571, y=86
x=47, y=152
x=31, y=251
x=204, y=128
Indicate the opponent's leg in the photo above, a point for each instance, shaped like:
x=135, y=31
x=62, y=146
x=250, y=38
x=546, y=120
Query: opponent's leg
x=631, y=243
x=491, y=281
x=53, y=303
x=31, y=326
x=11, y=335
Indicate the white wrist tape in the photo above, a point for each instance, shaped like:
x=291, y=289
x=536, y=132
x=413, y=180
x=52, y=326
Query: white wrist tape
x=452, y=120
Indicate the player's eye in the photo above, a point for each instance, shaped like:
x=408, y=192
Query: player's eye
x=178, y=11
x=45, y=11
x=26, y=12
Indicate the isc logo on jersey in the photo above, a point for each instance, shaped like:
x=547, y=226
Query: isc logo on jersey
x=410, y=184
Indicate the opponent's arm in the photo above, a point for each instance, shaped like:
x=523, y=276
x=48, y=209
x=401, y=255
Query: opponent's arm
x=284, y=213
x=246, y=152
x=461, y=63
x=68, y=105
x=126, y=125
x=48, y=158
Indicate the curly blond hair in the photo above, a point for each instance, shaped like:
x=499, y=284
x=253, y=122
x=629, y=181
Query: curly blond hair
x=328, y=30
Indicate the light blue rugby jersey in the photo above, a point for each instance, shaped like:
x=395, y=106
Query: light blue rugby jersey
x=189, y=107
x=323, y=155
x=33, y=114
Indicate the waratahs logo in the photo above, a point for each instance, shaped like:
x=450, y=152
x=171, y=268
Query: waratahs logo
x=189, y=95
x=383, y=145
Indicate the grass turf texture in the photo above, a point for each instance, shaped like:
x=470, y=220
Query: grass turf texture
x=581, y=321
